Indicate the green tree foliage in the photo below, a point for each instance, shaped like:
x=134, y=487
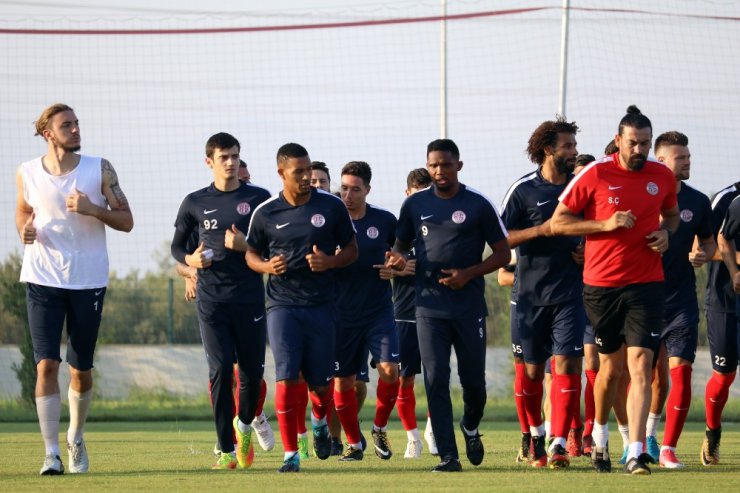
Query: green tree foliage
x=15, y=323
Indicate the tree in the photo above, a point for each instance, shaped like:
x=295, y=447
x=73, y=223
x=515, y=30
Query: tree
x=13, y=302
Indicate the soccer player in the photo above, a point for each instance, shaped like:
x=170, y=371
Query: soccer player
x=230, y=296
x=549, y=307
x=590, y=354
x=364, y=309
x=449, y=225
x=404, y=312
x=622, y=198
x=64, y=202
x=320, y=178
x=680, y=332
x=722, y=332
x=299, y=237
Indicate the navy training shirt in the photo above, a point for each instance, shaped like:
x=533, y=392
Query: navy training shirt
x=696, y=220
x=449, y=234
x=362, y=294
x=277, y=227
x=719, y=295
x=546, y=273
x=731, y=223
x=404, y=295
x=210, y=212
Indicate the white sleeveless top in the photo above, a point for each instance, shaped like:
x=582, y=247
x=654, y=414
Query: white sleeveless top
x=70, y=250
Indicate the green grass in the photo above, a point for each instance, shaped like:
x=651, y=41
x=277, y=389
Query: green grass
x=162, y=406
x=176, y=456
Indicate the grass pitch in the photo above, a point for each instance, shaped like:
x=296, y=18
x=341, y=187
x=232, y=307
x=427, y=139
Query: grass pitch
x=177, y=456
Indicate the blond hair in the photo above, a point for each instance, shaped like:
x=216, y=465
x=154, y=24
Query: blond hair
x=43, y=121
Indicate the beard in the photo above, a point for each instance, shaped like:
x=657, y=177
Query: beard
x=564, y=165
x=71, y=148
x=636, y=162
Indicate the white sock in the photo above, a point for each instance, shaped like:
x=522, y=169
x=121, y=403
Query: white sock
x=243, y=427
x=356, y=446
x=547, y=430
x=652, y=424
x=49, y=410
x=79, y=407
x=470, y=433
x=557, y=441
x=537, y=431
x=635, y=450
x=624, y=430
x=413, y=434
x=303, y=435
x=380, y=428
x=316, y=421
x=600, y=434
x=665, y=447
x=288, y=455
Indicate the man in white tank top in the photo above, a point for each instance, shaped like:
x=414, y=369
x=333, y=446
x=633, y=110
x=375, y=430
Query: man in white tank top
x=64, y=202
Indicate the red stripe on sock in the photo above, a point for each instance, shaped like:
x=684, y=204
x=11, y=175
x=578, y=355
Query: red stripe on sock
x=588, y=402
x=261, y=401
x=322, y=404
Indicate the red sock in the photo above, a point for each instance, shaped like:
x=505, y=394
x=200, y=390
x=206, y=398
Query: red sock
x=564, y=402
x=346, y=405
x=386, y=395
x=532, y=390
x=321, y=405
x=406, y=406
x=521, y=411
x=677, y=406
x=576, y=421
x=301, y=405
x=261, y=401
x=715, y=397
x=588, y=402
x=285, y=407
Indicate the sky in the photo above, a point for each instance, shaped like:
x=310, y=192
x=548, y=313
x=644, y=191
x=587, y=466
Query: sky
x=148, y=101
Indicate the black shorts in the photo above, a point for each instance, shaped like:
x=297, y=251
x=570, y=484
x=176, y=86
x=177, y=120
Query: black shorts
x=48, y=308
x=631, y=315
x=681, y=332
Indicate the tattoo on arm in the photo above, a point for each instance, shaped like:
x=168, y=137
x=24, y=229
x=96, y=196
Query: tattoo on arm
x=111, y=178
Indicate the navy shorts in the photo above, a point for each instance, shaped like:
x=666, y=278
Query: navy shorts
x=547, y=330
x=233, y=333
x=630, y=315
x=681, y=332
x=588, y=333
x=724, y=340
x=48, y=308
x=363, y=375
x=378, y=336
x=410, y=362
x=302, y=340
x=516, y=342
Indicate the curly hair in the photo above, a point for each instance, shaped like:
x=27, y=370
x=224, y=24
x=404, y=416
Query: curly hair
x=547, y=135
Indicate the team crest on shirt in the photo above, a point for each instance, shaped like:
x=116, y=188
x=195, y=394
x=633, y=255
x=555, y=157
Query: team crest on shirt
x=372, y=232
x=318, y=220
x=458, y=217
x=687, y=215
x=243, y=208
x=652, y=188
